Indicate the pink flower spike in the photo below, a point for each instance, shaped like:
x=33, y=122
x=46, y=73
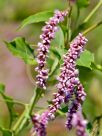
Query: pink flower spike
x=68, y=86
x=43, y=47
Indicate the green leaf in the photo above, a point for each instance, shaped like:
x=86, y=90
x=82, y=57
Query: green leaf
x=10, y=104
x=57, y=52
x=54, y=66
x=20, y=48
x=86, y=59
x=6, y=132
x=83, y=3
x=96, y=67
x=64, y=108
x=2, y=88
x=89, y=109
x=39, y=17
x=59, y=38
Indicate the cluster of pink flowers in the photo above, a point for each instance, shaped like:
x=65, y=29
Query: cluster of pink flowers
x=39, y=126
x=79, y=123
x=43, y=47
x=69, y=82
x=69, y=89
x=77, y=99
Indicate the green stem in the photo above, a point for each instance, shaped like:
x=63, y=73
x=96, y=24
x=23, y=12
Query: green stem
x=92, y=28
x=69, y=29
x=15, y=102
x=93, y=11
x=68, y=35
x=97, y=67
x=19, y=103
x=27, y=113
x=34, y=100
x=100, y=129
x=61, y=113
x=77, y=17
x=95, y=129
x=16, y=126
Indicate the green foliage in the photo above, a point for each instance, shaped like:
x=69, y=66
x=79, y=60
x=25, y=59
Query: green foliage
x=88, y=109
x=59, y=38
x=36, y=18
x=6, y=132
x=20, y=48
x=10, y=104
x=59, y=46
x=56, y=49
x=83, y=3
x=96, y=67
x=79, y=29
x=54, y=66
x=2, y=88
x=86, y=59
x=64, y=108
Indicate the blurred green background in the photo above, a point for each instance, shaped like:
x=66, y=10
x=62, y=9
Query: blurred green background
x=13, y=72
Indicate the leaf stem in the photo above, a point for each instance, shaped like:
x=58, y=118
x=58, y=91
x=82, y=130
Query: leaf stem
x=15, y=102
x=69, y=21
x=92, y=28
x=97, y=67
x=68, y=25
x=93, y=11
x=16, y=126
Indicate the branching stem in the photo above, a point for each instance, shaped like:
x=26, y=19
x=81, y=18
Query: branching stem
x=92, y=28
x=24, y=118
x=93, y=11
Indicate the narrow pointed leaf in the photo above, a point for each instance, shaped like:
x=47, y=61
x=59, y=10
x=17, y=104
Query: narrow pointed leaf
x=36, y=18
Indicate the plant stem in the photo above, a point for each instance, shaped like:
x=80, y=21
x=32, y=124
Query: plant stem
x=27, y=113
x=69, y=29
x=93, y=11
x=97, y=67
x=16, y=126
x=69, y=22
x=68, y=35
x=19, y=103
x=15, y=102
x=95, y=129
x=92, y=28
x=100, y=129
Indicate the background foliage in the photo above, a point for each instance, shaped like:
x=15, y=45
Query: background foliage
x=18, y=75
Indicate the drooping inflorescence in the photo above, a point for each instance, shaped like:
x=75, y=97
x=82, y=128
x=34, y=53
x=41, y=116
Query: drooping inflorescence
x=43, y=47
x=79, y=123
x=39, y=126
x=78, y=99
x=69, y=89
